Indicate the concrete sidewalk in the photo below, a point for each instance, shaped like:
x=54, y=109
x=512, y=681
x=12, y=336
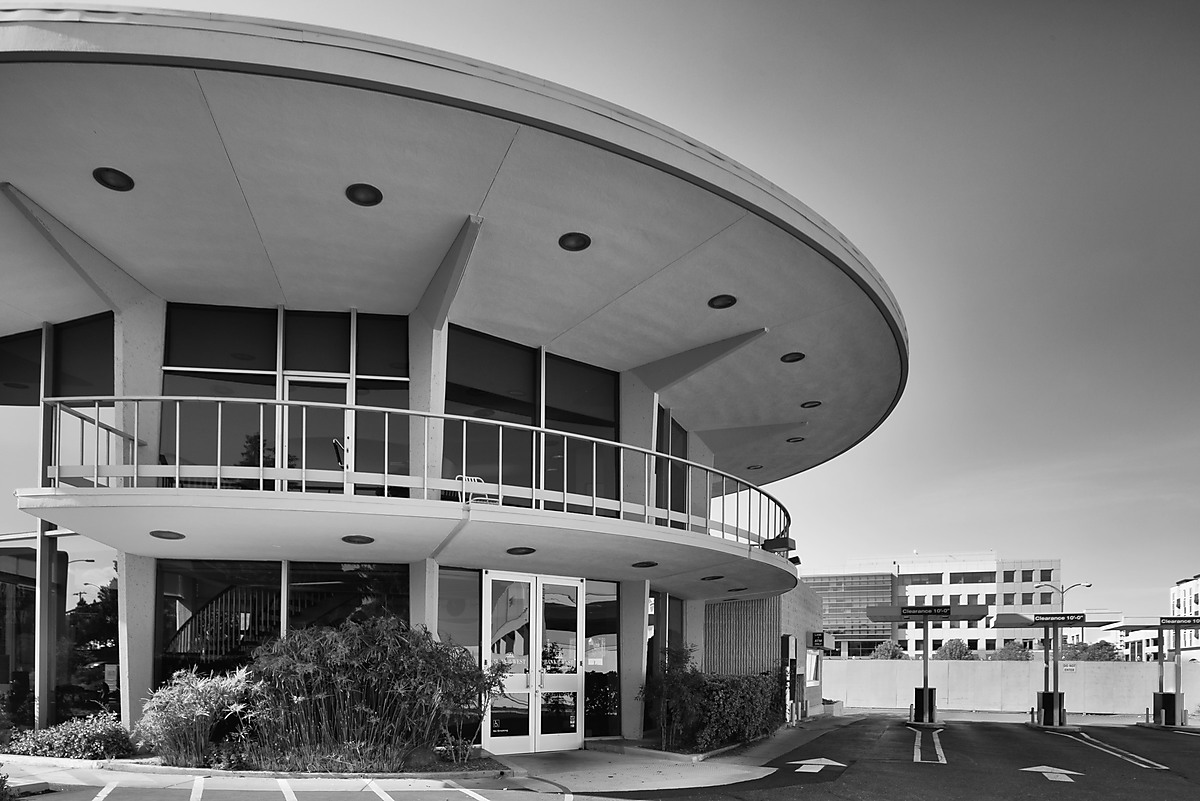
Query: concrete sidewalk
x=601, y=767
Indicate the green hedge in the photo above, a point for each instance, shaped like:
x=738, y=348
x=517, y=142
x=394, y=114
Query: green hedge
x=96, y=737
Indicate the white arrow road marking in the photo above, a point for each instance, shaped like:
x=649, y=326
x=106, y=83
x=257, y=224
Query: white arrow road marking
x=1054, y=774
x=815, y=765
x=937, y=748
x=1112, y=750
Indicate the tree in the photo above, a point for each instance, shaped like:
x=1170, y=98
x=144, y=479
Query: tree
x=955, y=649
x=1013, y=652
x=1102, y=651
x=888, y=649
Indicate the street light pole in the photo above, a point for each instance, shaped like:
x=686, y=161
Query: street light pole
x=1046, y=634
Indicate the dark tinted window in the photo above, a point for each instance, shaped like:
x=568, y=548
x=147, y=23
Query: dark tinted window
x=382, y=345
x=580, y=398
x=83, y=357
x=228, y=337
x=1047, y=575
x=485, y=374
x=21, y=369
x=923, y=578
x=316, y=342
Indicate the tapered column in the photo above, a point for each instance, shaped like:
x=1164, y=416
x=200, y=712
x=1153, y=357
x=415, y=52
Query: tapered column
x=135, y=632
x=635, y=608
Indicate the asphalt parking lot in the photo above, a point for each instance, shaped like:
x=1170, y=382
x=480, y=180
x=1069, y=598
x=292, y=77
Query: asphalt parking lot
x=881, y=757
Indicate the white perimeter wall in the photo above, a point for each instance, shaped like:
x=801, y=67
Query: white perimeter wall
x=1093, y=687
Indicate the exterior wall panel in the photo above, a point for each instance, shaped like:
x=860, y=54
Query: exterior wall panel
x=742, y=637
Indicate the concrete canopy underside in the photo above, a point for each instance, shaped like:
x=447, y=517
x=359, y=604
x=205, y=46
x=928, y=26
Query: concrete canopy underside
x=301, y=527
x=242, y=136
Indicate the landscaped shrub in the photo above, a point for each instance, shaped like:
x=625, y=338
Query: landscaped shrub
x=6, y=792
x=190, y=721
x=699, y=711
x=365, y=696
x=96, y=737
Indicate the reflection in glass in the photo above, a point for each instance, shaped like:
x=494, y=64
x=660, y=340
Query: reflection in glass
x=458, y=608
x=510, y=715
x=559, y=713
x=317, y=342
x=510, y=625
x=316, y=435
x=560, y=633
x=328, y=593
x=83, y=357
x=213, y=614
x=380, y=438
x=601, y=685
x=225, y=337
x=382, y=348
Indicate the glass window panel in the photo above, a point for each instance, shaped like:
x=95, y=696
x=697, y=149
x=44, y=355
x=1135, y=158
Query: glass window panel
x=1010, y=598
x=559, y=713
x=21, y=369
x=1010, y=575
x=382, y=346
x=328, y=593
x=1027, y=597
x=510, y=715
x=1047, y=575
x=490, y=378
x=560, y=629
x=316, y=342
x=990, y=598
x=1046, y=598
x=509, y=639
x=83, y=357
x=245, y=433
x=458, y=608
x=580, y=398
x=380, y=438
x=225, y=337
x=1026, y=575
x=601, y=684
x=212, y=614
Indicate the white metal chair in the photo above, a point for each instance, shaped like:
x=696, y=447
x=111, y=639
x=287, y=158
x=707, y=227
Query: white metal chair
x=474, y=497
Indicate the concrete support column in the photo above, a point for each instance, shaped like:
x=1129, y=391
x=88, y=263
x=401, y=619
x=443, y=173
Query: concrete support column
x=46, y=626
x=423, y=595
x=139, y=339
x=639, y=413
x=135, y=627
x=693, y=630
x=427, y=393
x=631, y=646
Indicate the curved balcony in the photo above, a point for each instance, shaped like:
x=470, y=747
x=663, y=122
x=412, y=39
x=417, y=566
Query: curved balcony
x=436, y=466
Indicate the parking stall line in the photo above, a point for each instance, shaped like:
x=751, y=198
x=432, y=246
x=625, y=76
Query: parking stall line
x=937, y=748
x=1112, y=750
x=379, y=791
x=464, y=790
x=108, y=788
x=197, y=789
x=286, y=789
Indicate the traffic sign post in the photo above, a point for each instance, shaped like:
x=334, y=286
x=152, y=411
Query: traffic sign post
x=1050, y=702
x=1169, y=709
x=925, y=697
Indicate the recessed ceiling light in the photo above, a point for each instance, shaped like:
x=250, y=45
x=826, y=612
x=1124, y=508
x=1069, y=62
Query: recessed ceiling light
x=521, y=550
x=644, y=564
x=364, y=195
x=711, y=578
x=721, y=301
x=357, y=539
x=754, y=467
x=795, y=439
x=794, y=356
x=737, y=589
x=164, y=534
x=112, y=178
x=574, y=241
x=810, y=404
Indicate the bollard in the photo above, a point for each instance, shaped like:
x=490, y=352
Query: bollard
x=911, y=712
x=1032, y=717
x=1184, y=719
x=1147, y=715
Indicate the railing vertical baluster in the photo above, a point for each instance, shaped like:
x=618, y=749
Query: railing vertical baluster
x=56, y=447
x=539, y=450
x=304, y=449
x=646, y=498
x=95, y=446
x=687, y=497
x=500, y=465
x=178, y=428
x=387, y=419
x=262, y=435
x=619, y=452
x=137, y=438
x=425, y=458
x=724, y=519
x=593, y=479
x=462, y=482
x=564, y=472
x=220, y=434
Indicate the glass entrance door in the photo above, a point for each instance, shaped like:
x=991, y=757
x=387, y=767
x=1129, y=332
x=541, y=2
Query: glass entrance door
x=317, y=438
x=535, y=626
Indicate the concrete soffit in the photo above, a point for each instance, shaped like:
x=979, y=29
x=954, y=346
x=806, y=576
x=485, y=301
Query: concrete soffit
x=665, y=373
x=117, y=289
x=439, y=295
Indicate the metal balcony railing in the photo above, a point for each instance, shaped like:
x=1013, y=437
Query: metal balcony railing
x=199, y=443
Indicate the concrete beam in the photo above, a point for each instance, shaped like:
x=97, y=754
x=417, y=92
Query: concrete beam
x=435, y=303
x=665, y=373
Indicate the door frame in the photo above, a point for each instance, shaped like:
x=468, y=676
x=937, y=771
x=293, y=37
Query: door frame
x=347, y=439
x=534, y=681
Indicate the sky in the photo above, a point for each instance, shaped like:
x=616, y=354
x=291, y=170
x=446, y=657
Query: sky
x=1026, y=178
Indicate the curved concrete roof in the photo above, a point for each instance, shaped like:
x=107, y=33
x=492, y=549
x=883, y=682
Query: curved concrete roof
x=241, y=136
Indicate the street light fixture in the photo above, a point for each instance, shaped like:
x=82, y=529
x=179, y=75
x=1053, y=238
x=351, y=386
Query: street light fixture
x=1062, y=591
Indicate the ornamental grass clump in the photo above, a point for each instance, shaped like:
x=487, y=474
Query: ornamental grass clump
x=196, y=720
x=373, y=696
